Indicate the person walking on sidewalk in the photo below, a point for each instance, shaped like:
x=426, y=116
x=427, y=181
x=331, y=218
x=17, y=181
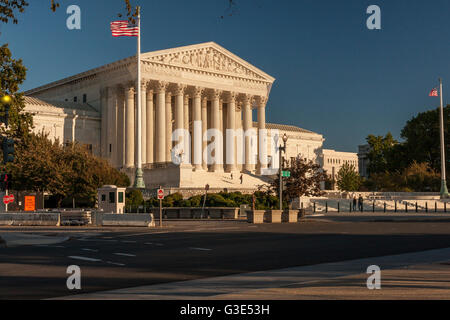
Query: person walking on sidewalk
x=360, y=203
x=354, y=203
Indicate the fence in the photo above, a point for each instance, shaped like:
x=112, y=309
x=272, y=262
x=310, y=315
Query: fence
x=416, y=206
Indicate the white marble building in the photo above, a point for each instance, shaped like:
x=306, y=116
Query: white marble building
x=331, y=161
x=202, y=83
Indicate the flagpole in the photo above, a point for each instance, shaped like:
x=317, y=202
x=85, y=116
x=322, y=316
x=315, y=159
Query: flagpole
x=444, y=190
x=139, y=179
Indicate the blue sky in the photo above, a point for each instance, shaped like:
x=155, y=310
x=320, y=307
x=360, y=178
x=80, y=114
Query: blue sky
x=334, y=76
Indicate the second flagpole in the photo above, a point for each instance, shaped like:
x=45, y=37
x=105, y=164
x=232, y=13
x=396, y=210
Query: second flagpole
x=444, y=190
x=139, y=178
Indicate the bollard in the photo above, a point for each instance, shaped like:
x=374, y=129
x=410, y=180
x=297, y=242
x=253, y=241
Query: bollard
x=426, y=207
x=373, y=206
x=326, y=206
x=58, y=224
x=416, y=206
x=339, y=207
x=406, y=207
x=384, y=207
x=350, y=206
x=445, y=206
x=395, y=205
x=314, y=207
x=435, y=206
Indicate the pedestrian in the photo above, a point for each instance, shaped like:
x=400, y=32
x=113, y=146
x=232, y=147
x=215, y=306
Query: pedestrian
x=242, y=178
x=354, y=203
x=360, y=203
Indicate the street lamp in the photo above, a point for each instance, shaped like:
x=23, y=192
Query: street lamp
x=282, y=149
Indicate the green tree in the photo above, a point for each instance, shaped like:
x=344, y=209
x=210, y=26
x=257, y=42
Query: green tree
x=133, y=198
x=65, y=172
x=382, y=150
x=422, y=138
x=348, y=178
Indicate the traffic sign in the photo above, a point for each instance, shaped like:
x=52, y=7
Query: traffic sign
x=160, y=194
x=286, y=174
x=8, y=199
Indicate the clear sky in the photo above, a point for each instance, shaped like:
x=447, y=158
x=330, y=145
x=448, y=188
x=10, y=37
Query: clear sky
x=334, y=76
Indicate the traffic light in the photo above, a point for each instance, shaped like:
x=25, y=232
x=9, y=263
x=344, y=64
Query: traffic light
x=6, y=101
x=8, y=150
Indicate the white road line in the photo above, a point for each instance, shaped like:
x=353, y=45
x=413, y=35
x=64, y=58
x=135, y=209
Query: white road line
x=143, y=234
x=85, y=258
x=155, y=244
x=115, y=263
x=201, y=249
x=91, y=250
x=125, y=254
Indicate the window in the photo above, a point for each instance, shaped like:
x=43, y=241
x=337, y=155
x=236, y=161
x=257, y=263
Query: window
x=75, y=99
x=84, y=98
x=120, y=197
x=110, y=148
x=103, y=197
x=112, y=197
x=89, y=148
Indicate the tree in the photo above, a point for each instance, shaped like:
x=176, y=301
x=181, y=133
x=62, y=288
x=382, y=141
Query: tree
x=305, y=180
x=64, y=171
x=12, y=75
x=422, y=137
x=348, y=178
x=381, y=153
x=134, y=198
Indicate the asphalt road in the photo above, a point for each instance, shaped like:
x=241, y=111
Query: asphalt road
x=122, y=258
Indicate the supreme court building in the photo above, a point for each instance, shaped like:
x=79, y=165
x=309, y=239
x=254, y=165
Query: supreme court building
x=199, y=84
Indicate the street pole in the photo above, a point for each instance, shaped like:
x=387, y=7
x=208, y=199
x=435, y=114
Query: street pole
x=281, y=178
x=444, y=190
x=139, y=178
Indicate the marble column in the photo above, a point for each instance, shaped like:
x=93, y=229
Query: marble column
x=179, y=116
x=169, y=127
x=197, y=130
x=120, y=127
x=150, y=127
x=144, y=122
x=112, y=124
x=230, y=136
x=104, y=122
x=248, y=124
x=160, y=123
x=204, y=129
x=262, y=140
x=129, y=130
x=216, y=124
x=239, y=142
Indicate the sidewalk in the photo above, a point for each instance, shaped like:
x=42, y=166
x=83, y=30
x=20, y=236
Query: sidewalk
x=15, y=239
x=420, y=275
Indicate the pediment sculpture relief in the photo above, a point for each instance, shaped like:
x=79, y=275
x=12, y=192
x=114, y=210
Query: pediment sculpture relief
x=206, y=58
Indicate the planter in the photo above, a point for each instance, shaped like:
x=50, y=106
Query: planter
x=290, y=216
x=255, y=216
x=273, y=216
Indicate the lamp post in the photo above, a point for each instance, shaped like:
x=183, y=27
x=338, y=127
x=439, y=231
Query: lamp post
x=282, y=149
x=444, y=190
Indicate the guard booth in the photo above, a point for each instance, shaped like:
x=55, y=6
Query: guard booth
x=111, y=199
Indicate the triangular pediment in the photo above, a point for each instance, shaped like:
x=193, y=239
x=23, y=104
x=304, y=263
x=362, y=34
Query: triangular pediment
x=207, y=57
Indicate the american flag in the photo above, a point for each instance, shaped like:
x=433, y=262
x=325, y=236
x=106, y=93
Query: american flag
x=124, y=29
x=434, y=92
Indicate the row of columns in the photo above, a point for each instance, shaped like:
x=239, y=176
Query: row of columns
x=118, y=135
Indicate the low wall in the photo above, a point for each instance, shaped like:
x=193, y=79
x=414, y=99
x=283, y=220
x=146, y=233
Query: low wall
x=28, y=219
x=123, y=220
x=197, y=213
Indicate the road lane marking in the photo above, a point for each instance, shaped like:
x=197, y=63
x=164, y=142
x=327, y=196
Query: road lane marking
x=201, y=249
x=115, y=263
x=91, y=250
x=85, y=258
x=155, y=244
x=125, y=241
x=144, y=234
x=125, y=254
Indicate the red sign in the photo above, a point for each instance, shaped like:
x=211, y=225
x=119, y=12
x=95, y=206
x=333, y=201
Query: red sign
x=160, y=194
x=8, y=199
